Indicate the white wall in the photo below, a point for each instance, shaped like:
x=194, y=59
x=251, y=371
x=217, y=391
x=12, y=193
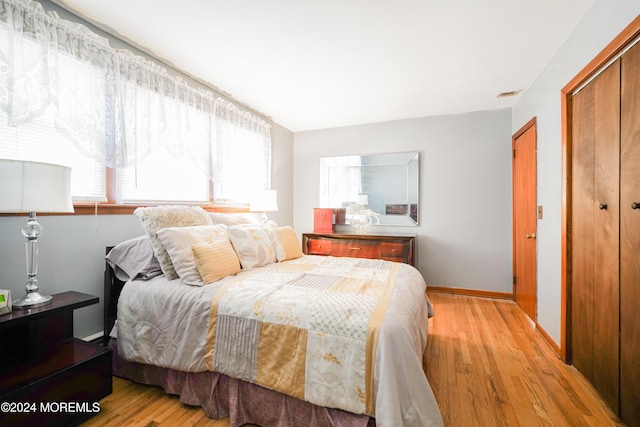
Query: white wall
x=603, y=22
x=464, y=236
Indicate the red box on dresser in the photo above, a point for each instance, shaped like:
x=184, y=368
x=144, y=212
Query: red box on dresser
x=323, y=220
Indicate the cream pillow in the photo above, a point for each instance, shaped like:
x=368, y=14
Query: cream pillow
x=252, y=244
x=216, y=260
x=285, y=241
x=178, y=242
x=158, y=217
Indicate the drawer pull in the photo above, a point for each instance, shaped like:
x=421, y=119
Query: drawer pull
x=355, y=249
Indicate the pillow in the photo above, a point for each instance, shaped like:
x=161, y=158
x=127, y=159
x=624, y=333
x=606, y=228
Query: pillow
x=134, y=259
x=216, y=260
x=252, y=244
x=229, y=219
x=285, y=241
x=159, y=217
x=178, y=242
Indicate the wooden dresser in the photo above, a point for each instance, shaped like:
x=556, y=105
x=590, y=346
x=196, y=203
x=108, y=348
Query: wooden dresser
x=390, y=247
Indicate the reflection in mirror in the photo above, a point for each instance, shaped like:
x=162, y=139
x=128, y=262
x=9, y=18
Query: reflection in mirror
x=383, y=187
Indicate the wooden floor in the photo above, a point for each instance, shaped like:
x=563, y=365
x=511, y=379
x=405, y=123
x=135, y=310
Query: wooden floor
x=488, y=367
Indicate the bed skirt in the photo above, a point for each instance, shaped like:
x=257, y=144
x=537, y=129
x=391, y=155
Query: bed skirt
x=242, y=402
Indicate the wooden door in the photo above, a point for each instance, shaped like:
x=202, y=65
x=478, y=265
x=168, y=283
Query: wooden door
x=630, y=239
x=595, y=229
x=524, y=218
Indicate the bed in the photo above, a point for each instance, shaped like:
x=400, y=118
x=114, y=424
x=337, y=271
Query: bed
x=233, y=317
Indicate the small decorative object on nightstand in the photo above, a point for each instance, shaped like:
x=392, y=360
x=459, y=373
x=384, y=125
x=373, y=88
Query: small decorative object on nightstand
x=5, y=301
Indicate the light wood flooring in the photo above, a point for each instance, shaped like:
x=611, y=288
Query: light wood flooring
x=487, y=367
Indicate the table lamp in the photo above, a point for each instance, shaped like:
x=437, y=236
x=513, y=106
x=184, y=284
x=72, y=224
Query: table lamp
x=265, y=201
x=27, y=186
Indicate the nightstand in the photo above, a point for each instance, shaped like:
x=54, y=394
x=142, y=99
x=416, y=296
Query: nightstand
x=48, y=376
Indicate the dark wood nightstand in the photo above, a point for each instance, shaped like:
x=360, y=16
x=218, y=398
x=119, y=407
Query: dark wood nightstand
x=48, y=376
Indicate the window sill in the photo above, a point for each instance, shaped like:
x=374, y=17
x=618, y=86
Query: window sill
x=113, y=209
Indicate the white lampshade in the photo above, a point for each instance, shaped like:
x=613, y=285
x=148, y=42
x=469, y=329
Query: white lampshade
x=34, y=187
x=362, y=199
x=265, y=201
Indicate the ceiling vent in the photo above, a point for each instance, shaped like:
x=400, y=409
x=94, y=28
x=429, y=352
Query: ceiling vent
x=507, y=94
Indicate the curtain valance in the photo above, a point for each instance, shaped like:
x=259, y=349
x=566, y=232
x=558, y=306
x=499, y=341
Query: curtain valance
x=115, y=106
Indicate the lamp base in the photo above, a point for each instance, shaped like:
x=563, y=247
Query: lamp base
x=32, y=300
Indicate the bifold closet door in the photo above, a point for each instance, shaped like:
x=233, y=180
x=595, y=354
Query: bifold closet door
x=595, y=232
x=630, y=239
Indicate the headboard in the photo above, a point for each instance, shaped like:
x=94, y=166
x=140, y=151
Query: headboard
x=112, y=288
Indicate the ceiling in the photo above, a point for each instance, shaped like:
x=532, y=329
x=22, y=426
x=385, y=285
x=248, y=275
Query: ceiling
x=320, y=64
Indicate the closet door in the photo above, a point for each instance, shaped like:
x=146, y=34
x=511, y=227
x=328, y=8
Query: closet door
x=630, y=239
x=595, y=232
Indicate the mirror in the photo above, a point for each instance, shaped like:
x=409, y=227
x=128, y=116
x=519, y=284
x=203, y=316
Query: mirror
x=382, y=185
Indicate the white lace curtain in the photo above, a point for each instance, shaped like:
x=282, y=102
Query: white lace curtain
x=233, y=124
x=113, y=105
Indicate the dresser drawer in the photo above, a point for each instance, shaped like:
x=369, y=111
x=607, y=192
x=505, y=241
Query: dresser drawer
x=394, y=249
x=319, y=247
x=355, y=248
x=398, y=248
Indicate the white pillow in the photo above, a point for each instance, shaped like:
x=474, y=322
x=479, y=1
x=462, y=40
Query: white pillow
x=252, y=244
x=154, y=218
x=179, y=241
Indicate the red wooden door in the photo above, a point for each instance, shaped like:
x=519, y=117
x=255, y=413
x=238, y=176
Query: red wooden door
x=524, y=218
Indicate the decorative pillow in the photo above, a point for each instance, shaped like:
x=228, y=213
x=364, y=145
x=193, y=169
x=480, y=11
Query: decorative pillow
x=159, y=217
x=216, y=260
x=178, y=242
x=285, y=241
x=229, y=219
x=252, y=244
x=134, y=259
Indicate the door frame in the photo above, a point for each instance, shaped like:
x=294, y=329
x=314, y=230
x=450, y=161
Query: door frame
x=527, y=126
x=631, y=32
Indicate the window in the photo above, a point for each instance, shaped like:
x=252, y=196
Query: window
x=242, y=169
x=39, y=141
x=67, y=97
x=170, y=144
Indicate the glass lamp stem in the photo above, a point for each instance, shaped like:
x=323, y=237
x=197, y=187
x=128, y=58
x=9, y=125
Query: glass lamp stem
x=32, y=299
x=33, y=231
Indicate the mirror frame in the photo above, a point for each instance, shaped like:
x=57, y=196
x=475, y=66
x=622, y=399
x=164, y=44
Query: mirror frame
x=367, y=172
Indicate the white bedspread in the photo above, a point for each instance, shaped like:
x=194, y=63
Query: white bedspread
x=164, y=323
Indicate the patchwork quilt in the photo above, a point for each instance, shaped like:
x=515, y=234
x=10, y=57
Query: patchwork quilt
x=315, y=321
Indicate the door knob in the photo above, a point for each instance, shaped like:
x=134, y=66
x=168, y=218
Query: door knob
x=635, y=205
x=531, y=236
x=603, y=206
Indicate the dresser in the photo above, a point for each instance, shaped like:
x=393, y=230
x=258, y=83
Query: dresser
x=390, y=247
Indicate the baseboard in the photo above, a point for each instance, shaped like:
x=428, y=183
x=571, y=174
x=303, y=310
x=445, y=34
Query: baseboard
x=471, y=292
x=554, y=346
